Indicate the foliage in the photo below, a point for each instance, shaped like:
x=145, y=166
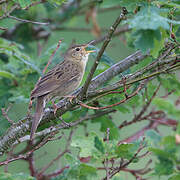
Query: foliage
x=143, y=111
x=19, y=176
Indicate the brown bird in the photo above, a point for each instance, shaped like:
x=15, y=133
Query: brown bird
x=60, y=81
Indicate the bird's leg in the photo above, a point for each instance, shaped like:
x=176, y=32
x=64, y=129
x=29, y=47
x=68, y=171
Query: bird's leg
x=55, y=107
x=65, y=123
x=71, y=97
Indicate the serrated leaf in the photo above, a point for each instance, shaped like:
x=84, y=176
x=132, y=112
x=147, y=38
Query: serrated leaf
x=158, y=44
x=98, y=144
x=149, y=18
x=145, y=39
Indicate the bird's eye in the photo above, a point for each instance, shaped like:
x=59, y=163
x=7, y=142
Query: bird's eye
x=77, y=49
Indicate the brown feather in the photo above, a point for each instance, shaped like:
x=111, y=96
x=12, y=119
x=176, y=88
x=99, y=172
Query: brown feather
x=60, y=81
x=56, y=78
x=38, y=115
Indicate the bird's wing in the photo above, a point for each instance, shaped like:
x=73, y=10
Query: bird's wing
x=61, y=74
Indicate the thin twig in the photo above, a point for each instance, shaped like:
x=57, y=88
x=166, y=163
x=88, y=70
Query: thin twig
x=51, y=57
x=144, y=109
x=118, y=32
x=101, y=51
x=106, y=163
x=5, y=114
x=27, y=21
x=25, y=156
x=59, y=156
x=3, y=28
x=57, y=172
x=115, y=104
x=117, y=170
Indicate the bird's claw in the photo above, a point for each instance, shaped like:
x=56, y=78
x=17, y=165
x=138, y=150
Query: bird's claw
x=65, y=123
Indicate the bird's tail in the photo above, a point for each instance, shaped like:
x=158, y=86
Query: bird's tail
x=37, y=116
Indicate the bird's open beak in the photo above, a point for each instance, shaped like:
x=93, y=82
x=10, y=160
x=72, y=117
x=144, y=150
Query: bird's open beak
x=90, y=51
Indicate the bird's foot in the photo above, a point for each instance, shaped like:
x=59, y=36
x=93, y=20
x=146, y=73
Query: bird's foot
x=55, y=107
x=65, y=123
x=71, y=97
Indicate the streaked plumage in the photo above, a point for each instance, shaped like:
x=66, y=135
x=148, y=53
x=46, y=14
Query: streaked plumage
x=60, y=81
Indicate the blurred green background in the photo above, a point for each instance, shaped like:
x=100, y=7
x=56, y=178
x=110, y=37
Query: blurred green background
x=117, y=50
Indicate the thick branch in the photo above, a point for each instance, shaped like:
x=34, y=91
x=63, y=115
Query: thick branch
x=22, y=127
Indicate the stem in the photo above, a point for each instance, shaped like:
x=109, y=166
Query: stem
x=100, y=53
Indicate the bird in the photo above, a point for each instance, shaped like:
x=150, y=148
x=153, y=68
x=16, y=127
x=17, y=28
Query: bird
x=60, y=81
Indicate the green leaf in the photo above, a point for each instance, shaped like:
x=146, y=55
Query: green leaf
x=161, y=154
x=85, y=170
x=171, y=83
x=145, y=39
x=13, y=50
x=123, y=109
x=19, y=176
x=158, y=44
x=24, y=3
x=106, y=122
x=98, y=144
x=57, y=2
x=164, y=167
x=175, y=177
x=149, y=18
x=168, y=106
x=178, y=128
x=124, y=151
x=169, y=144
x=7, y=75
x=86, y=144
x=153, y=137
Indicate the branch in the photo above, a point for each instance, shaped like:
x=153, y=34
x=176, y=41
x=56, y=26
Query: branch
x=27, y=21
x=101, y=51
x=59, y=156
x=143, y=110
x=119, y=31
x=22, y=127
x=127, y=96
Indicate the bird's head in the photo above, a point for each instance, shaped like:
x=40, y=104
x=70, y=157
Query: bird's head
x=78, y=53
